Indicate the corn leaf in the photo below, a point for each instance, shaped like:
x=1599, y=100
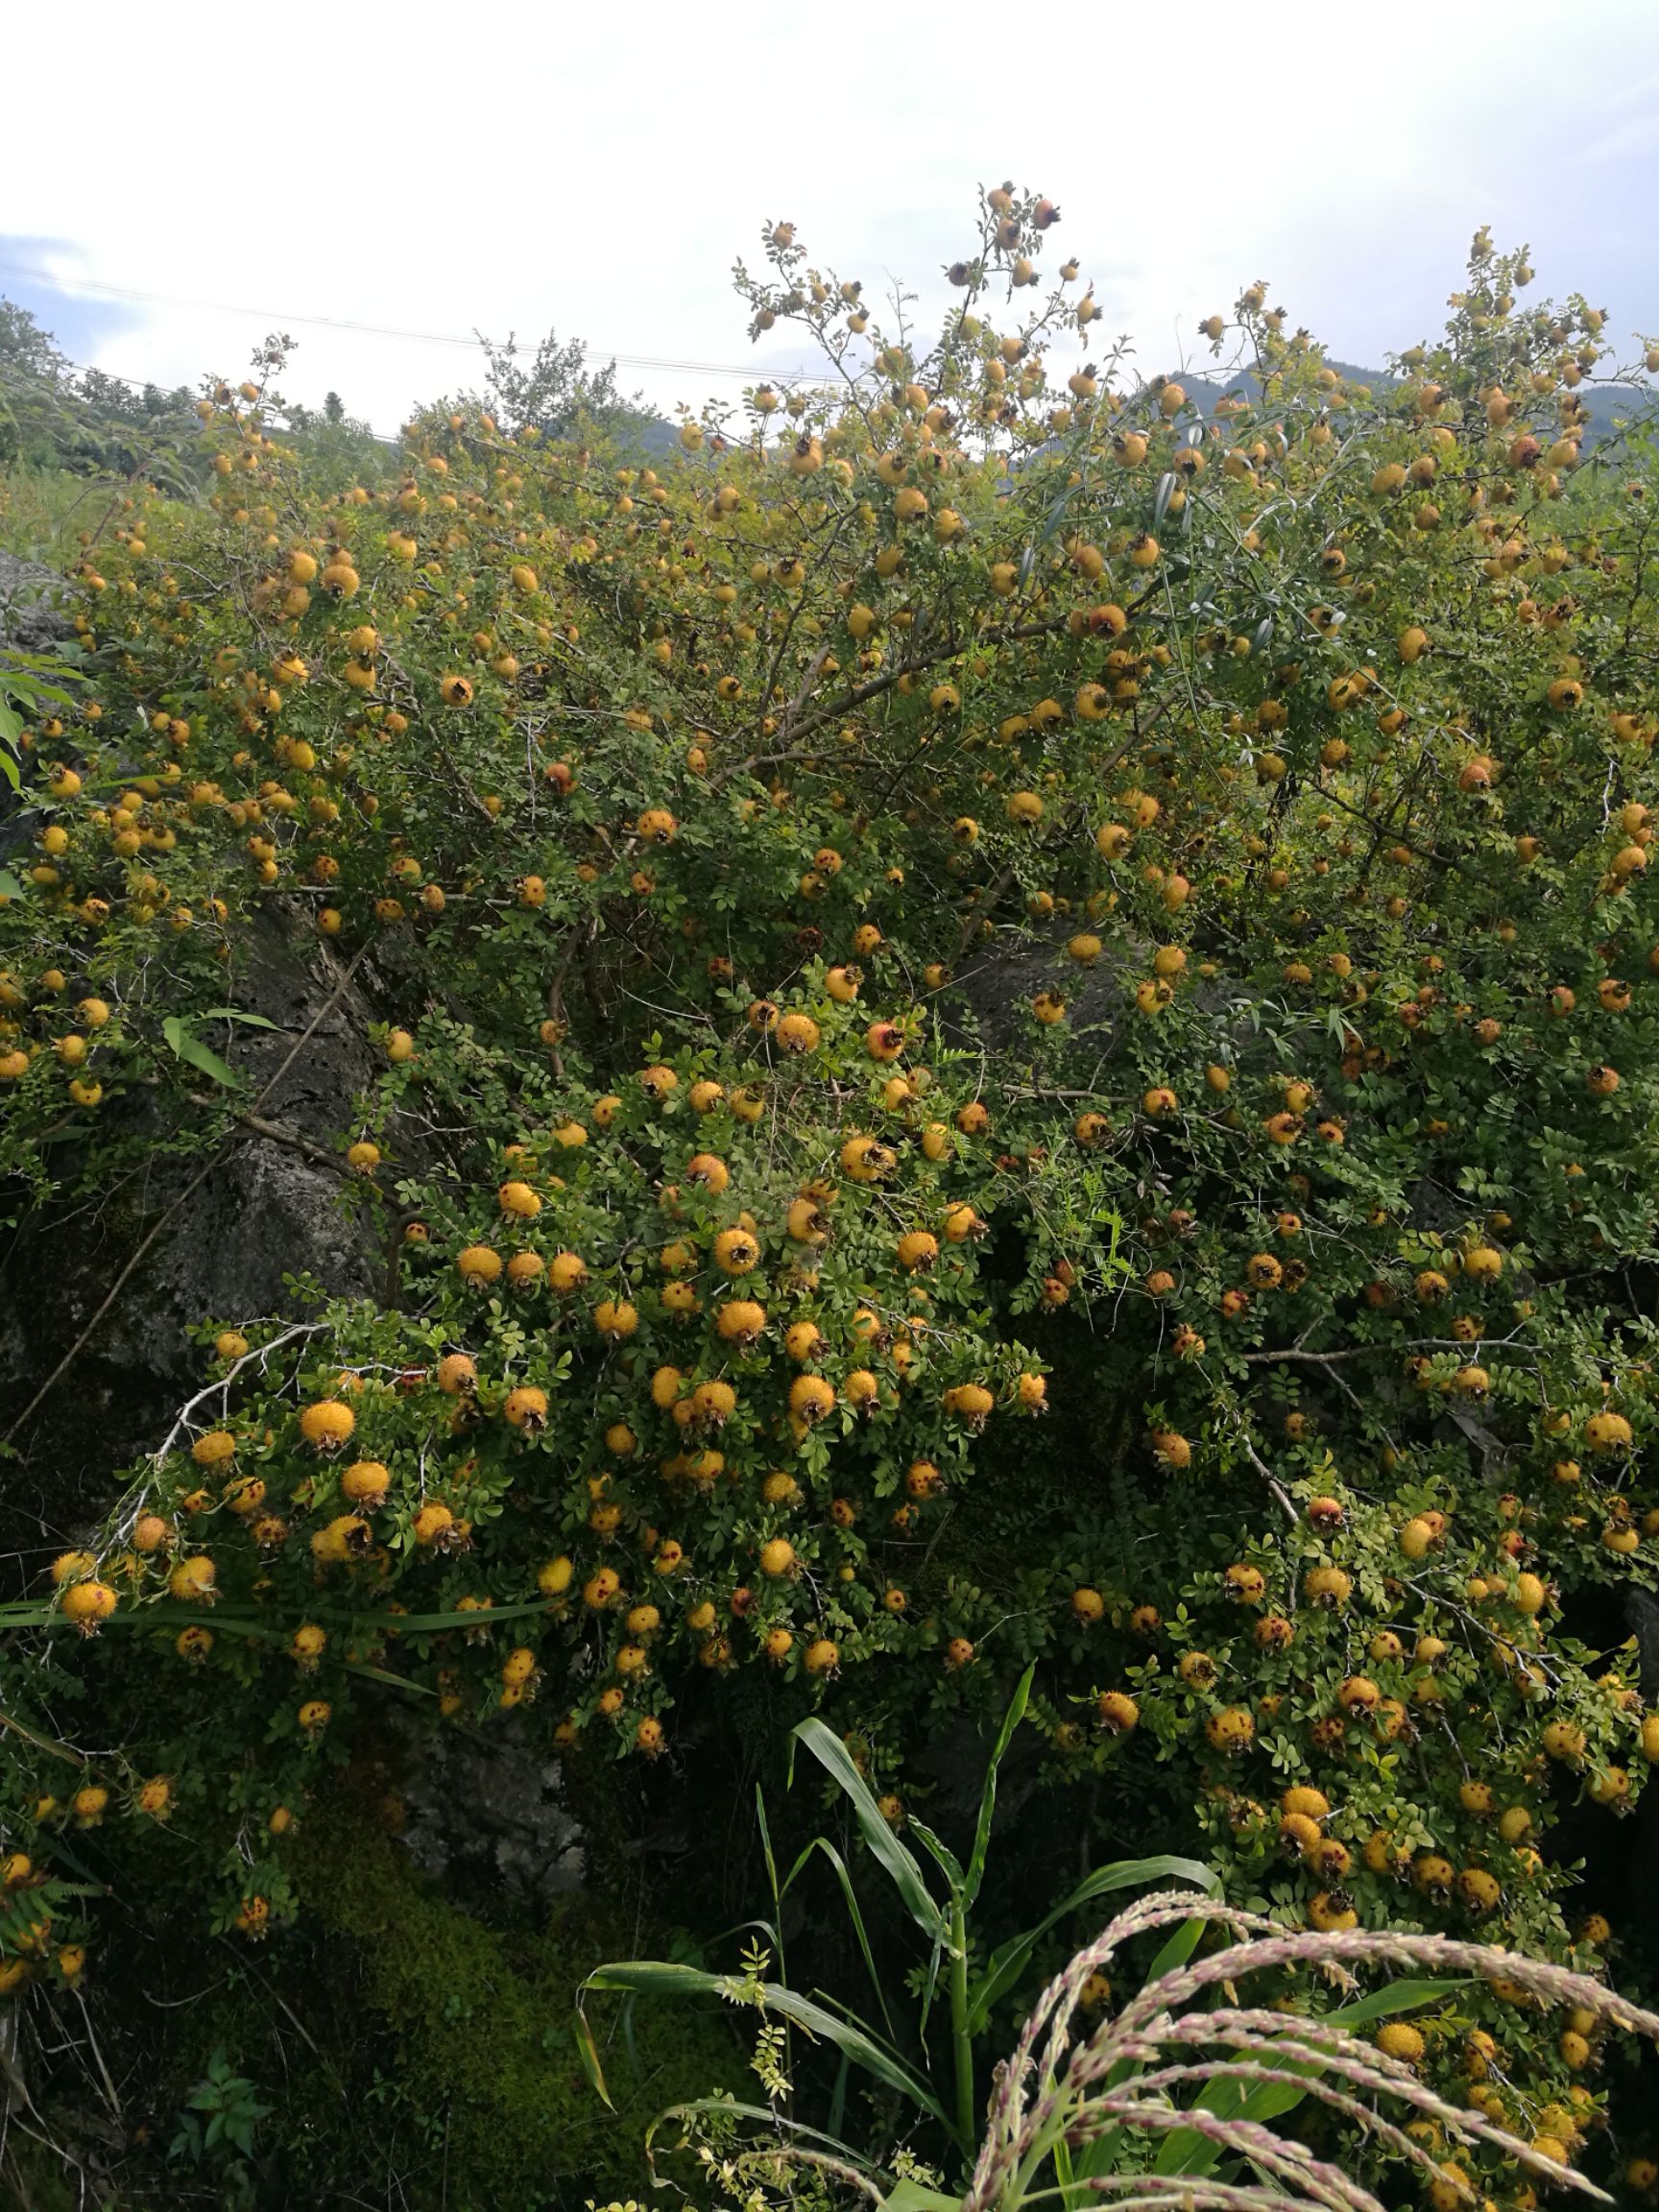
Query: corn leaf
x=1008, y=1961
x=1188, y=2153
x=1011, y=1720
x=664, y=1978
x=1099, y=2154
x=911, y=2196
x=827, y=1748
x=695, y=2106
x=821, y=1844
x=588, y=2051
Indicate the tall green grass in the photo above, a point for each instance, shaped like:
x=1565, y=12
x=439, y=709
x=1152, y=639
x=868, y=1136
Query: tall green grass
x=43, y=511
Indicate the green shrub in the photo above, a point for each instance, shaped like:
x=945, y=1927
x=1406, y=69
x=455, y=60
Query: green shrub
x=1150, y=922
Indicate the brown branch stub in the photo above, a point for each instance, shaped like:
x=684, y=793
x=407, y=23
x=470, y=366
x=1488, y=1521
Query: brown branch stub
x=280, y=1132
x=1276, y=1488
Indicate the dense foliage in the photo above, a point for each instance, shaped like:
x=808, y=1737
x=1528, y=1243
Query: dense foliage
x=1018, y=1026
x=83, y=421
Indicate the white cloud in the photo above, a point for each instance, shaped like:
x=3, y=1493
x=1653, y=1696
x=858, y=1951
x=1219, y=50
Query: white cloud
x=598, y=170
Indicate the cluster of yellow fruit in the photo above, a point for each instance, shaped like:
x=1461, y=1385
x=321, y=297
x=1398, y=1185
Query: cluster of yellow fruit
x=1145, y=911
x=788, y=1375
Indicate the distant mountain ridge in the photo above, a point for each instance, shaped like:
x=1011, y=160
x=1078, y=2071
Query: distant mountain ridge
x=1608, y=406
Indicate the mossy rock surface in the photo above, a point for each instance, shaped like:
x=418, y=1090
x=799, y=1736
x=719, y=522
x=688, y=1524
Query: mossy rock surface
x=481, y=2024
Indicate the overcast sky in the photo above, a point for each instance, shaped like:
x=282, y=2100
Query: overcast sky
x=596, y=168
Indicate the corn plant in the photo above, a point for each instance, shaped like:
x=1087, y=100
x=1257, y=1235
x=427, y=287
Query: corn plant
x=1173, y=2101
x=929, y=2061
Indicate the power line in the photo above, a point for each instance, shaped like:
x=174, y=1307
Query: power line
x=172, y=391
x=150, y=384
x=279, y=315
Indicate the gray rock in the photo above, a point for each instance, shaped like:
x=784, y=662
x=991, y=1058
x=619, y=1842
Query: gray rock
x=482, y=1806
x=1000, y=979
x=267, y=1211
x=32, y=616
x=31, y=622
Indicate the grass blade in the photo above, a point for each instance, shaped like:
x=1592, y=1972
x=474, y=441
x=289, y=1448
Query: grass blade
x=1011, y=1720
x=823, y=1843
